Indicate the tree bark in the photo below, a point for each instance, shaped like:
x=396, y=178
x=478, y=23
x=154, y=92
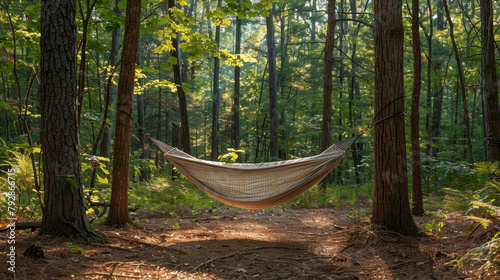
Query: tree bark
x=462, y=84
x=216, y=98
x=391, y=208
x=273, y=91
x=59, y=137
x=177, y=68
x=118, y=211
x=490, y=83
x=428, y=103
x=328, y=82
x=418, y=204
x=237, y=83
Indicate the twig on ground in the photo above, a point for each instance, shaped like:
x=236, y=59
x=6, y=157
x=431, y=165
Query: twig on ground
x=431, y=265
x=116, y=275
x=312, y=233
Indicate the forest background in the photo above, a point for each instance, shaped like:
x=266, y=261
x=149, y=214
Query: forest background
x=219, y=101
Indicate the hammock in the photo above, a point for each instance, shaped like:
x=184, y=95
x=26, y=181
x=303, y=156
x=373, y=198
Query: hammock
x=256, y=185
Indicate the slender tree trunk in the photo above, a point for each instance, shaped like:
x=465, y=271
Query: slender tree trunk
x=437, y=109
x=328, y=82
x=428, y=103
x=177, y=67
x=283, y=151
x=237, y=74
x=273, y=91
x=418, y=204
x=490, y=83
x=391, y=208
x=462, y=84
x=113, y=62
x=141, y=119
x=118, y=211
x=63, y=197
x=83, y=54
x=216, y=98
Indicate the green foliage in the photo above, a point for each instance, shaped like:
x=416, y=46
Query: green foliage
x=165, y=196
x=231, y=156
x=489, y=252
x=28, y=204
x=337, y=196
x=75, y=249
x=434, y=228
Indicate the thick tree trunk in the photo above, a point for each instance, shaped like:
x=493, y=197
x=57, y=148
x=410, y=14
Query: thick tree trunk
x=328, y=82
x=118, y=211
x=418, y=204
x=273, y=91
x=63, y=198
x=391, y=208
x=490, y=83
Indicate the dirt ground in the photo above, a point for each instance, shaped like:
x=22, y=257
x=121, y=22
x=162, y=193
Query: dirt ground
x=243, y=244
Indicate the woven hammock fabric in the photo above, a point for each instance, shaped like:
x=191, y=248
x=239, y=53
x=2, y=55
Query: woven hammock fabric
x=256, y=185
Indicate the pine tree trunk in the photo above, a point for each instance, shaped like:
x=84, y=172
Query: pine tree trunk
x=118, y=211
x=418, y=204
x=490, y=83
x=59, y=137
x=391, y=208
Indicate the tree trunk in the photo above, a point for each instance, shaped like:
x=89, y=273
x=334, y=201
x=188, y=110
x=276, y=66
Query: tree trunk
x=118, y=211
x=216, y=98
x=328, y=82
x=141, y=119
x=113, y=62
x=435, y=128
x=418, y=204
x=59, y=137
x=391, y=208
x=462, y=84
x=177, y=67
x=490, y=84
x=237, y=75
x=273, y=91
x=428, y=150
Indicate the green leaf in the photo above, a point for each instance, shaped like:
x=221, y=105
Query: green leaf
x=85, y=166
x=102, y=180
x=62, y=183
x=173, y=60
x=166, y=66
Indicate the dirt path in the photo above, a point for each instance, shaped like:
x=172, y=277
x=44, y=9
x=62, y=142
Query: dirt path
x=278, y=244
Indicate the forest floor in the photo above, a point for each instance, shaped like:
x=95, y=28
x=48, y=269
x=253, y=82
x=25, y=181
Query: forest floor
x=319, y=243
